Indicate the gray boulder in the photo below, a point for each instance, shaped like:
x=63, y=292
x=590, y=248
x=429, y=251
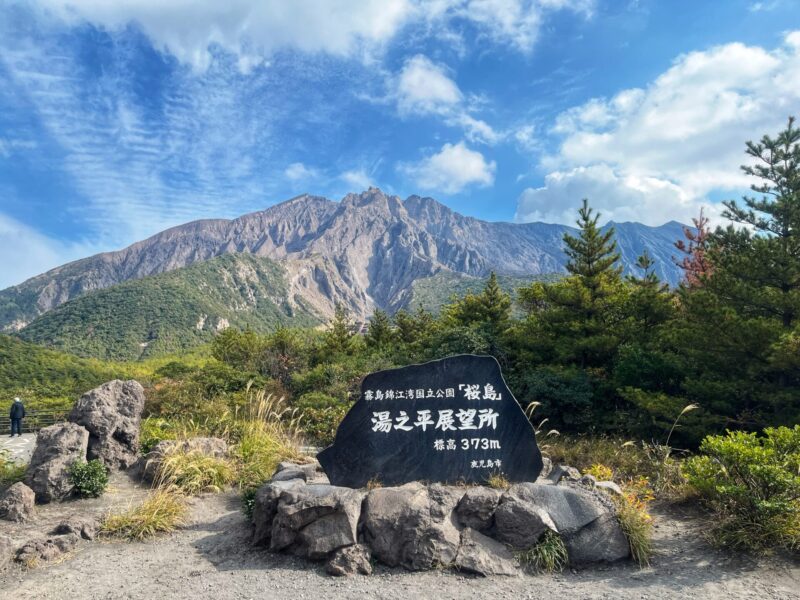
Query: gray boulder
x=57, y=448
x=47, y=549
x=83, y=528
x=569, y=508
x=563, y=472
x=265, y=508
x=476, y=508
x=585, y=519
x=482, y=555
x=413, y=526
x=520, y=523
x=17, y=503
x=314, y=520
x=287, y=471
x=151, y=462
x=350, y=560
x=609, y=487
x=112, y=413
x=602, y=540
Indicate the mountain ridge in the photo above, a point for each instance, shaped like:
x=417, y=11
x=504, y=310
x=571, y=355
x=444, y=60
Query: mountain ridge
x=364, y=251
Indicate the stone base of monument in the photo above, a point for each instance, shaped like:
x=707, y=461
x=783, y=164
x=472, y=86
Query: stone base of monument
x=416, y=526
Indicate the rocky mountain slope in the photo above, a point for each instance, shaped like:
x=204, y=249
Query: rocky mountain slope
x=173, y=311
x=363, y=252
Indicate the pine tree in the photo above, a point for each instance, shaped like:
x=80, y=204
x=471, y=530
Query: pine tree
x=593, y=254
x=761, y=270
x=696, y=263
x=339, y=337
x=379, y=332
x=495, y=306
x=584, y=308
x=738, y=331
x=650, y=301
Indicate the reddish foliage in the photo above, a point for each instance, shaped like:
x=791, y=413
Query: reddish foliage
x=695, y=264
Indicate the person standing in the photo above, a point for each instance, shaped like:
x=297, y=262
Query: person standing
x=17, y=413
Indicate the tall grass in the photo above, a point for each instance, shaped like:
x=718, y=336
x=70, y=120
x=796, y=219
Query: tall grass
x=548, y=555
x=268, y=432
x=627, y=460
x=163, y=511
x=193, y=472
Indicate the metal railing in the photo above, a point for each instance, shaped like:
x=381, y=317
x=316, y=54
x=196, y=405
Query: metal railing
x=33, y=421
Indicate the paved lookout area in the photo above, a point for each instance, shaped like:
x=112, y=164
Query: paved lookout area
x=20, y=447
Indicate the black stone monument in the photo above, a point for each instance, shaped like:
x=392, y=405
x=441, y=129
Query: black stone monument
x=445, y=421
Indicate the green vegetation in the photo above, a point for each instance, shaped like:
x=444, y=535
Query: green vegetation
x=90, y=479
x=164, y=510
x=498, y=481
x=173, y=311
x=752, y=483
x=432, y=294
x=549, y=555
x=604, y=360
x=193, y=472
x=637, y=525
x=48, y=380
x=45, y=378
x=10, y=471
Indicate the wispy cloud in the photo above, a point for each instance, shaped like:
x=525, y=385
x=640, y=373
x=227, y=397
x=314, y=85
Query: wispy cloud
x=423, y=87
x=253, y=30
x=24, y=252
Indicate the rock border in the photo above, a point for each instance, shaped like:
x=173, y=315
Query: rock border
x=422, y=527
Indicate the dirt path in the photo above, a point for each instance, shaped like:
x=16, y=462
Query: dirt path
x=213, y=559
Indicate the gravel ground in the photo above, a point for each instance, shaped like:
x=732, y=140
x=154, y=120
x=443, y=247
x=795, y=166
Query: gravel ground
x=212, y=559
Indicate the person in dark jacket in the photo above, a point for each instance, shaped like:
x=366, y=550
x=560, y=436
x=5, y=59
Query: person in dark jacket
x=17, y=413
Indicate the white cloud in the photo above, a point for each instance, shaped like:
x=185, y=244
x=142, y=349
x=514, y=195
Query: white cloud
x=513, y=22
x=253, y=29
x=24, y=252
x=618, y=198
x=299, y=172
x=357, y=179
x=425, y=88
x=451, y=169
x=681, y=135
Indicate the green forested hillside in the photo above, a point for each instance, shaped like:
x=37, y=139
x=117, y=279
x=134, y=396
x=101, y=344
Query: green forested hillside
x=432, y=293
x=34, y=373
x=172, y=311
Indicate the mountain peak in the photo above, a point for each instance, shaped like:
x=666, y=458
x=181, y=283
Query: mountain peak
x=363, y=252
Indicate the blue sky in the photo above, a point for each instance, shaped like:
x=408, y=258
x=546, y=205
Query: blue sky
x=119, y=119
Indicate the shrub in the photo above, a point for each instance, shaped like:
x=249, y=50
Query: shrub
x=249, y=502
x=600, y=472
x=10, y=471
x=320, y=424
x=752, y=483
x=635, y=521
x=90, y=479
x=163, y=510
x=627, y=460
x=193, y=472
x=154, y=430
x=498, y=481
x=548, y=555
